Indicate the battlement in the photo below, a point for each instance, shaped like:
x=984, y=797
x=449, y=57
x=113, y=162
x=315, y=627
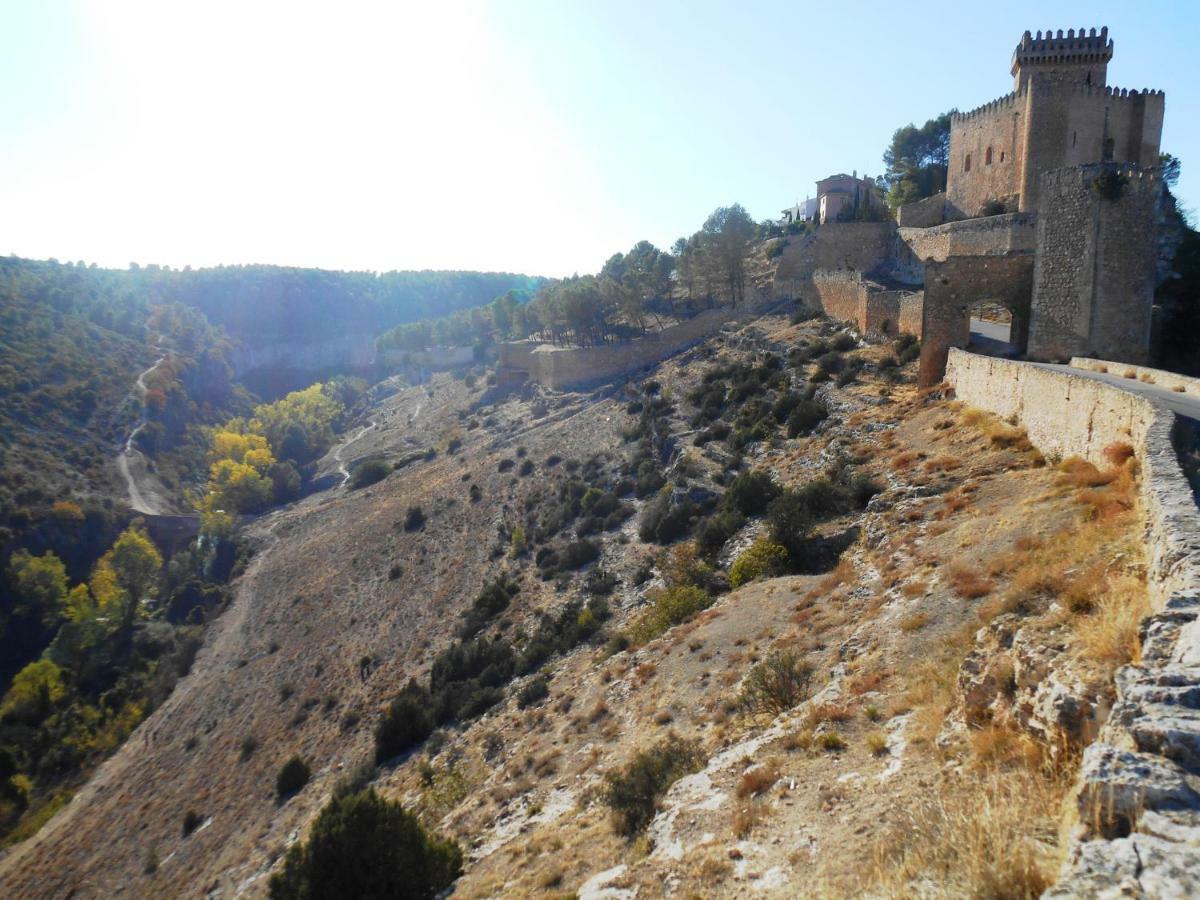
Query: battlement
x=1109, y=91
x=1000, y=103
x=1080, y=57
x=1055, y=49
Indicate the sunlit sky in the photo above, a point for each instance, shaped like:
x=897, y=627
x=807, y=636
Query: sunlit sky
x=537, y=137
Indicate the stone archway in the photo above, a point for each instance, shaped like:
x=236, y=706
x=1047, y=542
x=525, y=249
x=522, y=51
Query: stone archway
x=952, y=287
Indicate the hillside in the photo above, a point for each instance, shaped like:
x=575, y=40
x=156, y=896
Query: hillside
x=929, y=603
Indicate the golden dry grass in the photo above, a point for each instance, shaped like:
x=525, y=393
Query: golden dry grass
x=969, y=583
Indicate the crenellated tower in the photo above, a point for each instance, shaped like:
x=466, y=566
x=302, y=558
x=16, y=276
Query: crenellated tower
x=1075, y=56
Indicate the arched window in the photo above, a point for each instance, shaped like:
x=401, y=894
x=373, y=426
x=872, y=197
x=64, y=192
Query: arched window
x=987, y=157
x=967, y=163
x=1001, y=156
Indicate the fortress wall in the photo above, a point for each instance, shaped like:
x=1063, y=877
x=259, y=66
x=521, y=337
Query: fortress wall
x=843, y=294
x=837, y=245
x=840, y=293
x=562, y=368
x=923, y=213
x=1069, y=122
x=987, y=236
x=912, y=312
x=953, y=286
x=1133, y=770
x=999, y=125
x=356, y=350
x=1094, y=278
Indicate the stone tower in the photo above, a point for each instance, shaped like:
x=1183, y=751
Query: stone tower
x=1081, y=58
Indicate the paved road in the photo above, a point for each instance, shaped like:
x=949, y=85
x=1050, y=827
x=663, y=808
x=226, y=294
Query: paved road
x=993, y=331
x=1187, y=405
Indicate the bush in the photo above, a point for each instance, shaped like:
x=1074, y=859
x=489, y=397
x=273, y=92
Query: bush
x=713, y=532
x=191, y=821
x=370, y=472
x=492, y=601
x=671, y=606
x=292, y=777
x=633, y=793
x=750, y=493
x=776, y=684
x=762, y=558
x=364, y=846
x=790, y=523
x=844, y=341
x=405, y=723
x=414, y=519
x=534, y=692
x=664, y=521
x=807, y=415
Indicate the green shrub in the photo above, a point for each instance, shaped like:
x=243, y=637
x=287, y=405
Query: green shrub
x=370, y=472
x=633, y=793
x=790, y=523
x=191, y=821
x=763, y=557
x=776, y=684
x=664, y=521
x=715, y=530
x=671, y=606
x=750, y=493
x=407, y=721
x=414, y=519
x=292, y=777
x=535, y=691
x=364, y=846
x=844, y=341
x=807, y=415
x=492, y=600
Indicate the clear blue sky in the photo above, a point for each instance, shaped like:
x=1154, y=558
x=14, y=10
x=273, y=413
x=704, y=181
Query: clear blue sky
x=522, y=136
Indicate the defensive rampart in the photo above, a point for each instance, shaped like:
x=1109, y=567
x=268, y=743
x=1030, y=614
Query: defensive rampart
x=1138, y=815
x=987, y=236
x=562, y=368
x=844, y=294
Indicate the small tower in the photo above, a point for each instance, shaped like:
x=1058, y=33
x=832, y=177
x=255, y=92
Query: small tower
x=1075, y=56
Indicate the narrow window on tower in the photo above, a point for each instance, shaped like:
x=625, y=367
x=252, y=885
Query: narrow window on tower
x=1073, y=136
x=967, y=163
x=987, y=157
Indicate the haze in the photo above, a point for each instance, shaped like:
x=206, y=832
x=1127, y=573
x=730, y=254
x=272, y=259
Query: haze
x=530, y=137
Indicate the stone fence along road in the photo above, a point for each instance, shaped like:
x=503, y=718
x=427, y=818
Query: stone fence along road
x=1139, y=788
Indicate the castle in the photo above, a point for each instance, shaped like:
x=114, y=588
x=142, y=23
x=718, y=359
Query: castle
x=1051, y=211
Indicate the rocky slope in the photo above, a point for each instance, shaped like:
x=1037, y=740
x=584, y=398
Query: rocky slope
x=938, y=659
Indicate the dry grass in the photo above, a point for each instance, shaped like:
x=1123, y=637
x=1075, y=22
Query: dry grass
x=877, y=743
x=906, y=460
x=1109, y=635
x=746, y=815
x=991, y=836
x=998, y=432
x=1080, y=473
x=914, y=621
x=969, y=583
x=757, y=779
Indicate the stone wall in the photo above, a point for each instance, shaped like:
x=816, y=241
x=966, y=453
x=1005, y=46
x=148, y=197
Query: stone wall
x=923, y=213
x=1096, y=265
x=912, y=315
x=838, y=245
x=1069, y=124
x=952, y=287
x=563, y=368
x=997, y=128
x=1171, y=381
x=1138, y=817
x=349, y=351
x=1050, y=124
x=988, y=236
x=844, y=294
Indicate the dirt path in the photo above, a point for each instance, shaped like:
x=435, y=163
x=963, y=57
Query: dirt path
x=146, y=495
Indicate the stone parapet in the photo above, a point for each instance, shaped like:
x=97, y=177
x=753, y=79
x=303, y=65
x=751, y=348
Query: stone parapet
x=1138, y=808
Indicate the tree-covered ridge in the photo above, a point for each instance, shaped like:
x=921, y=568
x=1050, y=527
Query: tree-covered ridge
x=118, y=641
x=632, y=291
x=263, y=305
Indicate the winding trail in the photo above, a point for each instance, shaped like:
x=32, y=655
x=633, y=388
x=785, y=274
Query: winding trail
x=131, y=462
x=337, y=454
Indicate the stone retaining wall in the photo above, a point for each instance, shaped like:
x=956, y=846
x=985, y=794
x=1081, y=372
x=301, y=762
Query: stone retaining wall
x=844, y=294
x=563, y=368
x=1138, y=801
